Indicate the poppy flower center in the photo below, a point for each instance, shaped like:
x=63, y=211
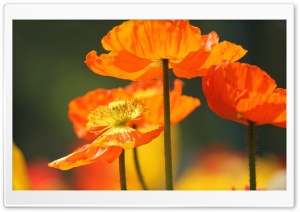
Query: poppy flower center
x=115, y=115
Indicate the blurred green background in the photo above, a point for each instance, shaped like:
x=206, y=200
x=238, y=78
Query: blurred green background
x=49, y=71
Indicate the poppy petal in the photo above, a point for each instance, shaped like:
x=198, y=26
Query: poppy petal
x=180, y=105
x=85, y=155
x=154, y=39
x=128, y=138
x=104, y=65
x=207, y=41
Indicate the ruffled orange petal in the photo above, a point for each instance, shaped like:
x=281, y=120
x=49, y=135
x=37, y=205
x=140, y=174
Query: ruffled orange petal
x=104, y=65
x=85, y=155
x=224, y=51
x=123, y=65
x=180, y=105
x=213, y=97
x=154, y=39
x=196, y=64
x=208, y=41
x=280, y=121
x=189, y=67
x=80, y=108
x=152, y=91
x=129, y=62
x=242, y=92
x=144, y=89
x=127, y=137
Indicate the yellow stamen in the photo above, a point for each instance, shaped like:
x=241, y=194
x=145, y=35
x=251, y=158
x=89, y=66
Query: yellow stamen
x=239, y=116
x=115, y=114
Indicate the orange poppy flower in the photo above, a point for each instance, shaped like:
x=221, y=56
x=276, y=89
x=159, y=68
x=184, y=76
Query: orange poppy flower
x=110, y=123
x=121, y=118
x=138, y=47
x=148, y=91
x=243, y=92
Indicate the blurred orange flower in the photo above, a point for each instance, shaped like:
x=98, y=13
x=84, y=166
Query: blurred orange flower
x=242, y=92
x=44, y=178
x=138, y=47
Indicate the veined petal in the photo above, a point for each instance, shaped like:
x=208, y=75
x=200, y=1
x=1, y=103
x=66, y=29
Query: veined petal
x=180, y=105
x=154, y=39
x=207, y=41
x=196, y=64
x=134, y=68
x=85, y=155
x=104, y=65
x=127, y=137
x=189, y=67
x=129, y=62
x=224, y=51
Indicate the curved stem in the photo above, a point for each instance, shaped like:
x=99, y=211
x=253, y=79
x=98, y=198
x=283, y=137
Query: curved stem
x=167, y=127
x=122, y=171
x=138, y=169
x=251, y=149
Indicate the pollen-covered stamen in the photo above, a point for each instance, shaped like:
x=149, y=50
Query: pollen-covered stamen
x=115, y=114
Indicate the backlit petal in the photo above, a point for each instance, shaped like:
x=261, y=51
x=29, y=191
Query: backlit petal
x=224, y=51
x=154, y=39
x=127, y=137
x=104, y=65
x=197, y=63
x=243, y=92
x=85, y=155
x=180, y=105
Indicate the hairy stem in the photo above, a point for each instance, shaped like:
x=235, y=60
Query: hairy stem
x=138, y=169
x=251, y=149
x=167, y=127
x=122, y=171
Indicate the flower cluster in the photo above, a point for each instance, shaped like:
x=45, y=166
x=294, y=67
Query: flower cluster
x=144, y=51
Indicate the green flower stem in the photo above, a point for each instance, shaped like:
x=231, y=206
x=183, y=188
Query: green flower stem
x=167, y=127
x=122, y=171
x=138, y=169
x=251, y=149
